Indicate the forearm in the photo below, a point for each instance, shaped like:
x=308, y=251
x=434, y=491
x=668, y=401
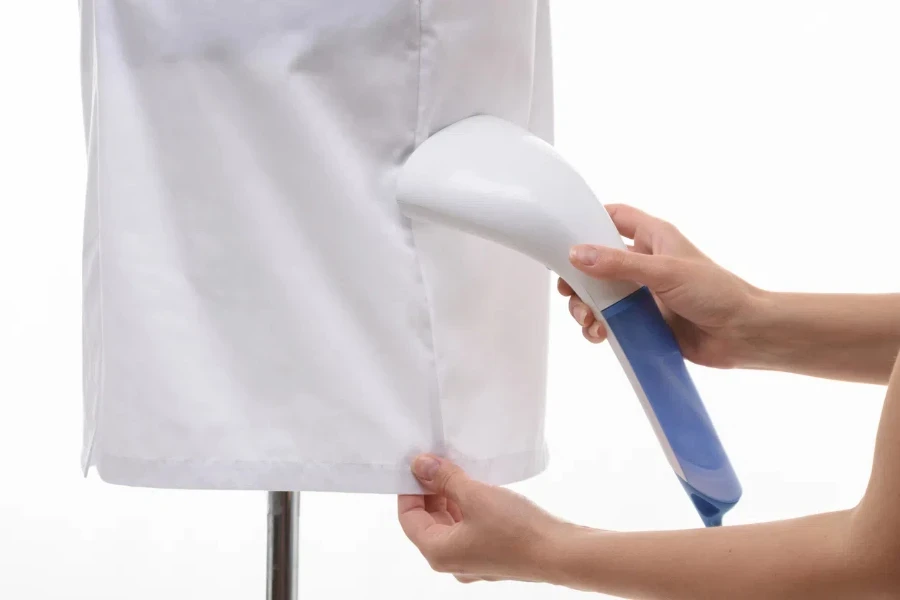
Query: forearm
x=794, y=559
x=852, y=337
x=850, y=554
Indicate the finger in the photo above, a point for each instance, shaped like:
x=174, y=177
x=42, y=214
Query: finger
x=454, y=511
x=437, y=507
x=657, y=272
x=435, y=503
x=417, y=523
x=580, y=312
x=629, y=219
x=410, y=502
x=592, y=338
x=474, y=579
x=649, y=231
x=444, y=478
x=564, y=288
x=641, y=247
x=596, y=333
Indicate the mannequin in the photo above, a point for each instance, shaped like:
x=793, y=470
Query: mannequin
x=235, y=338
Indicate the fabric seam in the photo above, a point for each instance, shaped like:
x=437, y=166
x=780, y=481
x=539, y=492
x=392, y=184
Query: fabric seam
x=95, y=131
x=535, y=452
x=437, y=412
x=302, y=476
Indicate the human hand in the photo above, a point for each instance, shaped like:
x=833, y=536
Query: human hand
x=707, y=307
x=475, y=531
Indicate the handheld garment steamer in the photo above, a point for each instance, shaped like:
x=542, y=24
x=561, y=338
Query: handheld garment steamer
x=493, y=179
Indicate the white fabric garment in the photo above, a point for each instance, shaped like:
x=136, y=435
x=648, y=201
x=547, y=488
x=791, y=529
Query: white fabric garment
x=257, y=313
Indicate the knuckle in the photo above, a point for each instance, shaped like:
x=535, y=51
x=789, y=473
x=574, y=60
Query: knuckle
x=669, y=267
x=435, y=557
x=667, y=228
x=668, y=272
x=437, y=565
x=440, y=562
x=613, y=261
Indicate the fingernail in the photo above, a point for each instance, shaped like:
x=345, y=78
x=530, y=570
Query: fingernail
x=425, y=467
x=581, y=314
x=586, y=255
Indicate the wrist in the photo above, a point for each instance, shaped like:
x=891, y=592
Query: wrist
x=852, y=337
x=758, y=329
x=563, y=551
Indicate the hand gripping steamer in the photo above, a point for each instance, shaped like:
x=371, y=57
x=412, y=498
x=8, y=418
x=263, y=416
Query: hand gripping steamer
x=493, y=179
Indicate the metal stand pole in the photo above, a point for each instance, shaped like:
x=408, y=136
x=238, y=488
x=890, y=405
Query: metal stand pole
x=284, y=538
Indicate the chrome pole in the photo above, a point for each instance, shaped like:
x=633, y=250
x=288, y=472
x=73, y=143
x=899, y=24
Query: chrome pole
x=283, y=544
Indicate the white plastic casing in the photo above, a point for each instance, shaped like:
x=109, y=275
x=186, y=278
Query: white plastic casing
x=513, y=188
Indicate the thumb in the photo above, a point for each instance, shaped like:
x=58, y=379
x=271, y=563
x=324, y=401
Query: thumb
x=601, y=262
x=442, y=477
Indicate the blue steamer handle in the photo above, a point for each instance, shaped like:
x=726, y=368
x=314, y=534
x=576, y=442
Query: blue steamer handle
x=661, y=379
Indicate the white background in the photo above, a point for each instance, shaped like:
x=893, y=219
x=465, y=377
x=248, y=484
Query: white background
x=769, y=132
